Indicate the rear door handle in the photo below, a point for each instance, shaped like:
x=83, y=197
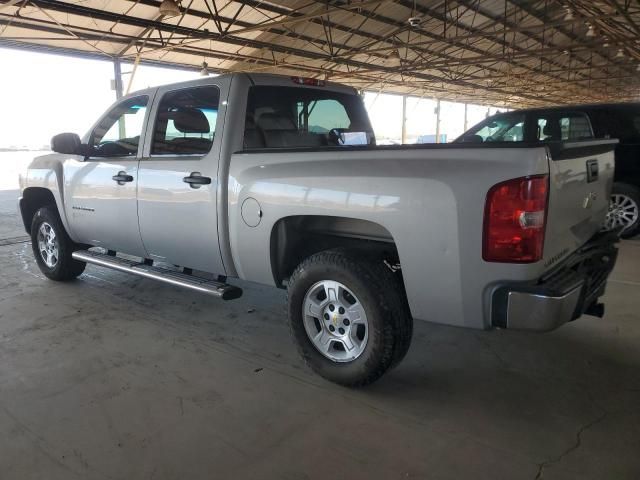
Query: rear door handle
x=122, y=178
x=195, y=179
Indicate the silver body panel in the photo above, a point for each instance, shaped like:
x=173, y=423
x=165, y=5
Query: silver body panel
x=433, y=213
x=102, y=212
x=430, y=201
x=178, y=223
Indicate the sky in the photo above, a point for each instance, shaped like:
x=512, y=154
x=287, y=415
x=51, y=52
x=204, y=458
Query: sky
x=44, y=94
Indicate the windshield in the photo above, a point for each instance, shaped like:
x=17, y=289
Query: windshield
x=499, y=128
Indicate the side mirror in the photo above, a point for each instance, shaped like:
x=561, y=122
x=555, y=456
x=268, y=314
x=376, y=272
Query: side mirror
x=68, y=143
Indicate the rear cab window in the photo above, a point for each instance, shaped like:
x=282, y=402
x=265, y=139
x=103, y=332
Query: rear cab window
x=293, y=117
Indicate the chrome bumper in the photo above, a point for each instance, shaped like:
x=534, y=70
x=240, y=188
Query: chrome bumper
x=561, y=295
x=528, y=311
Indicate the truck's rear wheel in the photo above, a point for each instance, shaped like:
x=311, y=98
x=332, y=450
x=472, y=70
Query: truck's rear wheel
x=52, y=247
x=624, y=210
x=348, y=317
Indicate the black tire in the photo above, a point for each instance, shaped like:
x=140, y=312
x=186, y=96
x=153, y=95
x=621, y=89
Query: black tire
x=65, y=268
x=633, y=194
x=381, y=294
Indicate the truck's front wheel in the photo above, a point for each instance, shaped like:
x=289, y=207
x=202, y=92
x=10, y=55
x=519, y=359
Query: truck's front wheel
x=52, y=247
x=348, y=317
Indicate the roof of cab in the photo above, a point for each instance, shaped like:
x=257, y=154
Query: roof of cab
x=256, y=78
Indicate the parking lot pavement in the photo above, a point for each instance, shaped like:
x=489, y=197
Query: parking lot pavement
x=117, y=377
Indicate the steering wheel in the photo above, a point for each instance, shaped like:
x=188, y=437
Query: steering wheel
x=111, y=149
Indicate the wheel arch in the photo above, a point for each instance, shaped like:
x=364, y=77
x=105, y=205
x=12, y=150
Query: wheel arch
x=34, y=198
x=294, y=238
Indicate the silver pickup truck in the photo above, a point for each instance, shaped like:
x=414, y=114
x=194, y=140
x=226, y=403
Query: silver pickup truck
x=277, y=180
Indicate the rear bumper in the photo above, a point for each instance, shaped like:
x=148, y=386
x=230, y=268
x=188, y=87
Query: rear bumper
x=564, y=294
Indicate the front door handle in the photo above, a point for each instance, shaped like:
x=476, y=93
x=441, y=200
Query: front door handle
x=122, y=178
x=195, y=180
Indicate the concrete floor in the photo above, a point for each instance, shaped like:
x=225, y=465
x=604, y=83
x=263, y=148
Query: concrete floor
x=115, y=377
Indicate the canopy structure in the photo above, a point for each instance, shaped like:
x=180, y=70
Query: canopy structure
x=514, y=53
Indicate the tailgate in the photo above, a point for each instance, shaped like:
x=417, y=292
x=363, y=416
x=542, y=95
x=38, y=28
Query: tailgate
x=580, y=181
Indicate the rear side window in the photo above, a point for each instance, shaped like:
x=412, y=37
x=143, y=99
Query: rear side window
x=186, y=121
x=575, y=127
x=503, y=128
x=621, y=122
x=292, y=117
x=557, y=127
x=118, y=133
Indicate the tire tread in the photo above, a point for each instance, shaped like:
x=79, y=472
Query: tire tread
x=397, y=326
x=67, y=268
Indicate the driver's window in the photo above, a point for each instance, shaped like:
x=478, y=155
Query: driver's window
x=118, y=133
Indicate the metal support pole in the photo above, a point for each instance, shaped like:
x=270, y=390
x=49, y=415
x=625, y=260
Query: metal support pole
x=117, y=77
x=466, y=120
x=404, y=119
x=438, y=121
x=133, y=74
x=117, y=84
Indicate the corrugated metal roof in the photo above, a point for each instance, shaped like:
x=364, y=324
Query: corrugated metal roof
x=515, y=52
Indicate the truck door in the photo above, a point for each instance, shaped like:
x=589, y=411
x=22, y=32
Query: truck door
x=178, y=177
x=100, y=192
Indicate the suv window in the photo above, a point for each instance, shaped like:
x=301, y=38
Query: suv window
x=563, y=127
x=281, y=117
x=502, y=128
x=186, y=121
x=118, y=133
x=622, y=123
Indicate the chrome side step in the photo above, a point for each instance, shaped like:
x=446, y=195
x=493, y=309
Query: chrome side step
x=200, y=284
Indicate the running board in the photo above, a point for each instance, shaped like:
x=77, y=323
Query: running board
x=200, y=284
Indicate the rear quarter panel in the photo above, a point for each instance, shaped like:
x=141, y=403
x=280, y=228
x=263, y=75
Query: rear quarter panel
x=431, y=200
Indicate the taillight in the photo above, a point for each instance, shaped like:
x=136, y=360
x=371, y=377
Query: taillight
x=514, y=220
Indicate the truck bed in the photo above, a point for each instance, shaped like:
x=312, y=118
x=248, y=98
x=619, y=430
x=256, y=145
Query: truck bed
x=429, y=200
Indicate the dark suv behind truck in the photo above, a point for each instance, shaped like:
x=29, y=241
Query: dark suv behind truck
x=580, y=122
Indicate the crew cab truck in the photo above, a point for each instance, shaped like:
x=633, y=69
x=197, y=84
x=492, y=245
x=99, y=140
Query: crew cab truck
x=277, y=180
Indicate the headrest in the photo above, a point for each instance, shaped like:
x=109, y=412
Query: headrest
x=189, y=120
x=249, y=122
x=275, y=121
